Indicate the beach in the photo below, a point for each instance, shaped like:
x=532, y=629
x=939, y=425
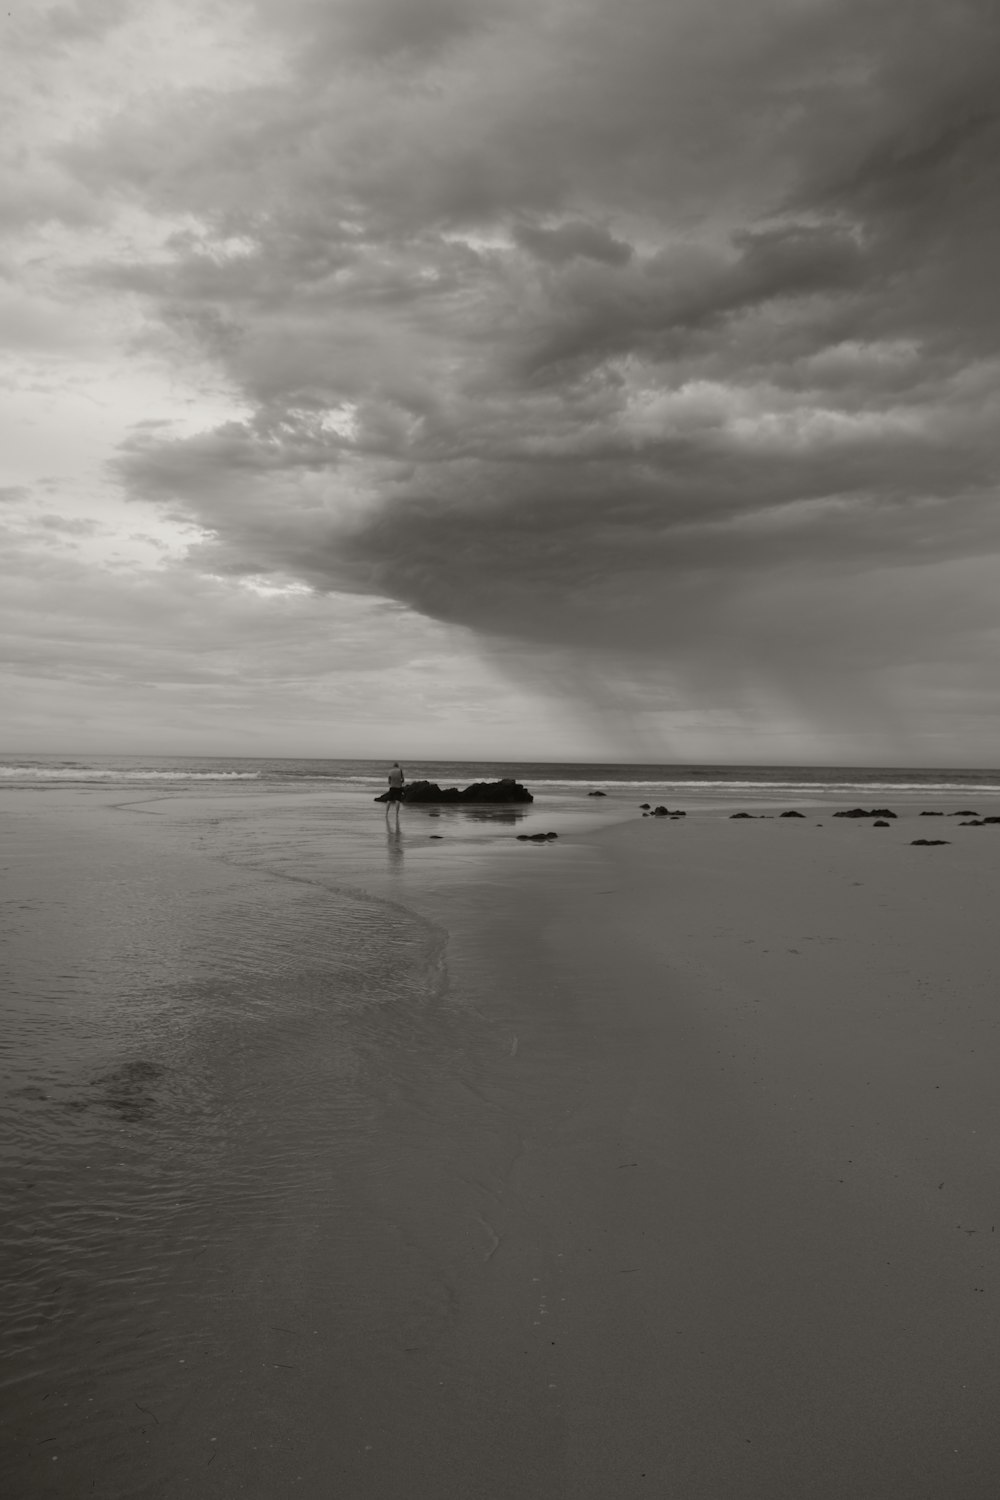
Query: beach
x=658, y=1159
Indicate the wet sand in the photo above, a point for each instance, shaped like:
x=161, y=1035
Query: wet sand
x=787, y=1280
x=678, y=1180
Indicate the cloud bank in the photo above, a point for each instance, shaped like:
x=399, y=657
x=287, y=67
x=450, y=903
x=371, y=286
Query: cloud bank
x=654, y=344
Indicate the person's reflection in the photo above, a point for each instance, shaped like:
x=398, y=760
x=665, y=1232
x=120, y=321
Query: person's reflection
x=394, y=844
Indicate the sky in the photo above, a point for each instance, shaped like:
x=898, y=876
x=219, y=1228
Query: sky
x=564, y=379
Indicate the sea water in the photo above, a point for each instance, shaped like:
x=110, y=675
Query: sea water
x=544, y=778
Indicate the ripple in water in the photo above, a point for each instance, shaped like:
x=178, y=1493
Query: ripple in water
x=187, y=1052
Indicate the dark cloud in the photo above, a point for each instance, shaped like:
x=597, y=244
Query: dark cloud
x=380, y=30
x=68, y=525
x=28, y=28
x=576, y=237
x=171, y=659
x=668, y=333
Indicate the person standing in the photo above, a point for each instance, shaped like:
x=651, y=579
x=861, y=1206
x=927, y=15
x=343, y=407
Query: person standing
x=397, y=780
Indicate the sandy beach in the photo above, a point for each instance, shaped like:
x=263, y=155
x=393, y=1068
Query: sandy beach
x=791, y=1245
x=675, y=1176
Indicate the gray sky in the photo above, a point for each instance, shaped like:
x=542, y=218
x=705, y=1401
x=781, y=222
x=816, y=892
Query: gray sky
x=566, y=377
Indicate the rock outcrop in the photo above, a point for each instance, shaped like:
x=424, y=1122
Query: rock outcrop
x=860, y=812
x=506, y=790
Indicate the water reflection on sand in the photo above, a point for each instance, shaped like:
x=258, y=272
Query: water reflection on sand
x=207, y=1020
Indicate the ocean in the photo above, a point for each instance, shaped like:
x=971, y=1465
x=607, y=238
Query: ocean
x=249, y=1031
x=546, y=777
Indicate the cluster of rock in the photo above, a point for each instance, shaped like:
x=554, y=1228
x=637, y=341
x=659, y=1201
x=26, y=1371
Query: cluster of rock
x=861, y=812
x=506, y=790
x=854, y=812
x=661, y=811
x=963, y=812
x=536, y=838
x=881, y=815
x=765, y=815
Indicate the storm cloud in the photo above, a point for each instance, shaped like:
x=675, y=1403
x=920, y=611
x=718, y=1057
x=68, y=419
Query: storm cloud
x=654, y=344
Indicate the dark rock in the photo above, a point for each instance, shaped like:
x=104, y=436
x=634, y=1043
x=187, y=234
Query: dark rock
x=742, y=815
x=991, y=820
x=881, y=823
x=860, y=812
x=932, y=814
x=522, y=838
x=597, y=794
x=645, y=805
x=929, y=842
x=966, y=812
x=972, y=823
x=882, y=812
x=793, y=815
x=506, y=790
x=437, y=835
x=661, y=812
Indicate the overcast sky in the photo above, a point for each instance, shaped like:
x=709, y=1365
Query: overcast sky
x=590, y=378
